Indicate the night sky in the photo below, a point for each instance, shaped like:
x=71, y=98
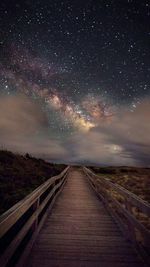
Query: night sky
x=75, y=80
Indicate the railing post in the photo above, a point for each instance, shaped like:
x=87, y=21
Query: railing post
x=35, y=208
x=131, y=228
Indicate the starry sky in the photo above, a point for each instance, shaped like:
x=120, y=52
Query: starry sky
x=75, y=80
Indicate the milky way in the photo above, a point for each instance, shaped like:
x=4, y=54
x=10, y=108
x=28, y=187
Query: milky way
x=34, y=77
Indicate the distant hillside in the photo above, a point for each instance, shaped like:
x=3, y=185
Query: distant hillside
x=20, y=175
x=134, y=179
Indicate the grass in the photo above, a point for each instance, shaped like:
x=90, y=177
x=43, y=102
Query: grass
x=136, y=180
x=20, y=175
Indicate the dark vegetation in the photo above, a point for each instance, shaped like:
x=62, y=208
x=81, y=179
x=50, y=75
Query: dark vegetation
x=134, y=179
x=20, y=175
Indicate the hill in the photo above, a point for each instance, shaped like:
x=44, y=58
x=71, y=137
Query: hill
x=20, y=175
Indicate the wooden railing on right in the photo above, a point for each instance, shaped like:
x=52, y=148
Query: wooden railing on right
x=20, y=225
x=131, y=213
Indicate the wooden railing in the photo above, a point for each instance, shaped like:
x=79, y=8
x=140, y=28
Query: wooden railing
x=20, y=225
x=131, y=213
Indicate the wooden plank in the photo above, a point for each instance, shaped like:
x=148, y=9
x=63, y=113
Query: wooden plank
x=78, y=263
x=89, y=242
x=111, y=258
x=100, y=238
x=98, y=250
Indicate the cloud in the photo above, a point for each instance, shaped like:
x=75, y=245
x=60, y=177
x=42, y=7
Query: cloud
x=132, y=132
x=20, y=116
x=24, y=128
x=96, y=148
x=124, y=141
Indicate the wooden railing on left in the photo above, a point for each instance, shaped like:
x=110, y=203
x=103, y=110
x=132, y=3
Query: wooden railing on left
x=20, y=225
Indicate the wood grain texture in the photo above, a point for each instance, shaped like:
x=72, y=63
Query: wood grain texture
x=80, y=232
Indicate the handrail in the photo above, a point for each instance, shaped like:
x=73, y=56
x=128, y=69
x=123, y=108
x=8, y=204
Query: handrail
x=8, y=218
x=123, y=210
x=27, y=215
x=138, y=202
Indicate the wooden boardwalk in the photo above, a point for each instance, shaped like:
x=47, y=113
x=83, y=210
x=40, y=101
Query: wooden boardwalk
x=80, y=232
